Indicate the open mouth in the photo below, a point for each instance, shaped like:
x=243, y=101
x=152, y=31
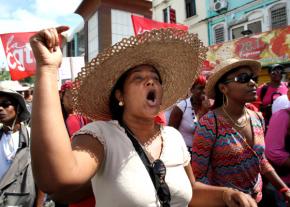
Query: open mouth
x=151, y=97
x=2, y=116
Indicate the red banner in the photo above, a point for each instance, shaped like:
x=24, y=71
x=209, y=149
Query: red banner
x=19, y=56
x=142, y=24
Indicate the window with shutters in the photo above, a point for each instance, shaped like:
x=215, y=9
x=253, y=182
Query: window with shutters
x=278, y=15
x=219, y=34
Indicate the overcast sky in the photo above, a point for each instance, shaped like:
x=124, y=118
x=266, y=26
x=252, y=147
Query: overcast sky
x=33, y=15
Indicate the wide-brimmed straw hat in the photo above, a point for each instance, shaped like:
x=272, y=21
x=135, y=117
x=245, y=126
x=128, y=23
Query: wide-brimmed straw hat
x=176, y=54
x=225, y=67
x=24, y=114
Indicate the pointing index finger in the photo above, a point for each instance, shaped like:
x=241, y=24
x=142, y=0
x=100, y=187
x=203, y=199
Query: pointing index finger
x=61, y=29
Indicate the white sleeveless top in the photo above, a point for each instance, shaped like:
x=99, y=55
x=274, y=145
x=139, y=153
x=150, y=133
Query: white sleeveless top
x=123, y=180
x=188, y=122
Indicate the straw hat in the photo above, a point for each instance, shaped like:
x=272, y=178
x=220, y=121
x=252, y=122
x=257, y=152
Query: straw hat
x=24, y=115
x=176, y=54
x=225, y=67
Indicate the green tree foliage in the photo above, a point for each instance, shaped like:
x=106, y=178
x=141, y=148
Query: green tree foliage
x=4, y=75
x=29, y=80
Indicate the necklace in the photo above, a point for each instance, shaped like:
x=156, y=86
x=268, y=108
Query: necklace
x=149, y=146
x=146, y=146
x=151, y=139
x=237, y=124
x=147, y=142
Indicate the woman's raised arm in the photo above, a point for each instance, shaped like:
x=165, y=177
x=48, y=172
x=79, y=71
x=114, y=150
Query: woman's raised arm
x=55, y=164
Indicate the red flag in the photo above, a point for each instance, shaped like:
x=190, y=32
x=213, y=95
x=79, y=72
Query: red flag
x=19, y=56
x=142, y=24
x=20, y=59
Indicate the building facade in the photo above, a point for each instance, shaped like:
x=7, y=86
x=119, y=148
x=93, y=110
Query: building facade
x=249, y=29
x=106, y=22
x=231, y=19
x=243, y=29
x=186, y=12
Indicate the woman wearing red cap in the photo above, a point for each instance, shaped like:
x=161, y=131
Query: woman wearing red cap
x=73, y=123
x=186, y=113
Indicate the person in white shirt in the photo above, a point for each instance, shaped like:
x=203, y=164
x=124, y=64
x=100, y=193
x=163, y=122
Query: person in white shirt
x=282, y=102
x=17, y=187
x=185, y=114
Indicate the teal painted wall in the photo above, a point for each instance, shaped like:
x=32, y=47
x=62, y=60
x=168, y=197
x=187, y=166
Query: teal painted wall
x=226, y=17
x=232, y=4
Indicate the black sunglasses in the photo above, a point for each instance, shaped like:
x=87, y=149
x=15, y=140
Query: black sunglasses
x=6, y=104
x=243, y=78
x=163, y=191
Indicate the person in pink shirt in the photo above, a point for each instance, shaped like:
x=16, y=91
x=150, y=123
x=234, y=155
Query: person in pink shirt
x=276, y=149
x=268, y=92
x=275, y=143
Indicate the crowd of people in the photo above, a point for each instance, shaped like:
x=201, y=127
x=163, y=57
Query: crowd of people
x=102, y=141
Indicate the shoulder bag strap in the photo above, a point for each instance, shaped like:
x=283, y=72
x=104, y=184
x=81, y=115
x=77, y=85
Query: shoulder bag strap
x=216, y=126
x=216, y=132
x=145, y=160
x=141, y=154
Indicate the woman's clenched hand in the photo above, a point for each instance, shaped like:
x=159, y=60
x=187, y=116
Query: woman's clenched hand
x=45, y=46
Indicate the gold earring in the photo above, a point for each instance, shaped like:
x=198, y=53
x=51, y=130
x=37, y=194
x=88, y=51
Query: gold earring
x=121, y=103
x=225, y=100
